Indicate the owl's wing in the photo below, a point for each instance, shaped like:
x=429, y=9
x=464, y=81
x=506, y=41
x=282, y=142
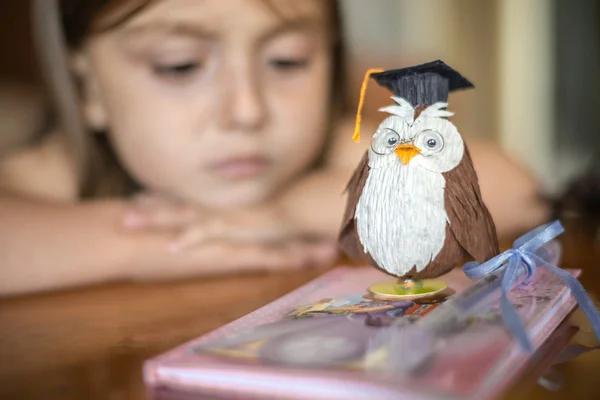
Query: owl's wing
x=470, y=220
x=347, y=239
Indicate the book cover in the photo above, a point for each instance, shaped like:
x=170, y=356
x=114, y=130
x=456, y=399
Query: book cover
x=327, y=340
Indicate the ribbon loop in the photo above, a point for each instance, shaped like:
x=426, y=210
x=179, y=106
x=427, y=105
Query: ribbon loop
x=523, y=257
x=538, y=237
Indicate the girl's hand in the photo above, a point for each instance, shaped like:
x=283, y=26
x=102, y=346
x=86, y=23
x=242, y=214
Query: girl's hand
x=191, y=225
x=219, y=257
x=214, y=243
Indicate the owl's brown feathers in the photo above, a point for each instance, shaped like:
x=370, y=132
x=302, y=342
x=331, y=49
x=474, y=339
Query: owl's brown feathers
x=471, y=230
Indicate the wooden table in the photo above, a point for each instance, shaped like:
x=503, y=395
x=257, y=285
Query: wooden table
x=90, y=343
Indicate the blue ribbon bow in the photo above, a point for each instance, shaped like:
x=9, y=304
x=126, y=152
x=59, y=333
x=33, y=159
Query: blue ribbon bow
x=522, y=255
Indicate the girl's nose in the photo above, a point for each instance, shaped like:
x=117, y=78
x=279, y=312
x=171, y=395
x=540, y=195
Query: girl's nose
x=243, y=107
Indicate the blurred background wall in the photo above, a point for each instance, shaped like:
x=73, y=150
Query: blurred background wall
x=577, y=90
x=535, y=65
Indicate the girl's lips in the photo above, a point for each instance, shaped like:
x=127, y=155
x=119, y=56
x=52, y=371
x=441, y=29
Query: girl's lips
x=241, y=167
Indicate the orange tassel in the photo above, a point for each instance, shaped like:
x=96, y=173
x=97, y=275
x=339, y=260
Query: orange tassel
x=361, y=101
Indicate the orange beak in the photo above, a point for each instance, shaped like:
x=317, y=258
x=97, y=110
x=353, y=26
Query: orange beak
x=406, y=152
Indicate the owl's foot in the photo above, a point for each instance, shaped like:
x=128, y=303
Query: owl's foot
x=410, y=284
x=407, y=289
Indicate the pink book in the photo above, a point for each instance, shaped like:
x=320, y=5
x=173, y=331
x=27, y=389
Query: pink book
x=330, y=339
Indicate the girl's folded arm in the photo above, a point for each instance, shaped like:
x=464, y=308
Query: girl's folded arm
x=46, y=245
x=48, y=238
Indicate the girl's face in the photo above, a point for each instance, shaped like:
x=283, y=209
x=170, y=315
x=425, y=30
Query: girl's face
x=221, y=102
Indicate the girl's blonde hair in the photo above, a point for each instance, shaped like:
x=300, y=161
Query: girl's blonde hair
x=62, y=26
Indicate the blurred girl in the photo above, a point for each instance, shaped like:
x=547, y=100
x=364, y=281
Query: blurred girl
x=195, y=137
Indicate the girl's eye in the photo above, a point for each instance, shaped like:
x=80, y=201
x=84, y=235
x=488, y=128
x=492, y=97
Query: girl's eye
x=177, y=70
x=288, y=64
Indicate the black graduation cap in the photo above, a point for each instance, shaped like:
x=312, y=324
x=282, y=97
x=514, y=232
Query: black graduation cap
x=423, y=84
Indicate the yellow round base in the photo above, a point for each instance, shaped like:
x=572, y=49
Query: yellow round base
x=396, y=290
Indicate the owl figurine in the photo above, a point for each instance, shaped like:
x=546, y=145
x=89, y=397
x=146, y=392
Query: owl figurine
x=414, y=207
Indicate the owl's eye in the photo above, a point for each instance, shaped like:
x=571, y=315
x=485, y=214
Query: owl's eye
x=429, y=142
x=391, y=139
x=385, y=142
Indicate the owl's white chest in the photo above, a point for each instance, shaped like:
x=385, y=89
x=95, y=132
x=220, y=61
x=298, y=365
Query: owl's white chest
x=400, y=217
